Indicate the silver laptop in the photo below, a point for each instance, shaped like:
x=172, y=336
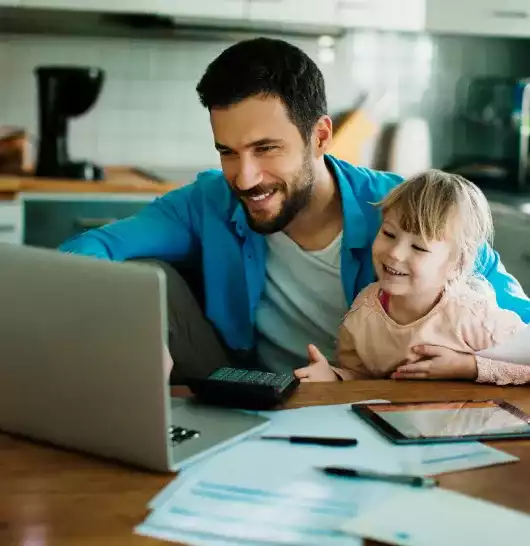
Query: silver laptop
x=81, y=363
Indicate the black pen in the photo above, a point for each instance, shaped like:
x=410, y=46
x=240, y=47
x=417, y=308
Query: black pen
x=315, y=440
x=414, y=481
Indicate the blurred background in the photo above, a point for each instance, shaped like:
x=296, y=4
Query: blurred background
x=411, y=84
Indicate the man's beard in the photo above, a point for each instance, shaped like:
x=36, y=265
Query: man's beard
x=301, y=189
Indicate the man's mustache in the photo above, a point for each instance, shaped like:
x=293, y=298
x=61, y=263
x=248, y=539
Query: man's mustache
x=257, y=190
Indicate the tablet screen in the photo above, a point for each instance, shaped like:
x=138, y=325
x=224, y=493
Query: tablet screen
x=444, y=419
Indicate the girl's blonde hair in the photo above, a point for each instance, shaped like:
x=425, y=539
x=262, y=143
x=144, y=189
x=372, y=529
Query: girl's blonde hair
x=435, y=204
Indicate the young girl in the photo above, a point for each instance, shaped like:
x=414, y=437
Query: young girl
x=427, y=294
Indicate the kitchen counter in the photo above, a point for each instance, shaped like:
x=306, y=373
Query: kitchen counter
x=118, y=180
x=47, y=211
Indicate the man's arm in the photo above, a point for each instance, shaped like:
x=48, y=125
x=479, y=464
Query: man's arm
x=508, y=291
x=162, y=230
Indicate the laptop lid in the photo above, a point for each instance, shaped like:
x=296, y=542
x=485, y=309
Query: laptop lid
x=81, y=354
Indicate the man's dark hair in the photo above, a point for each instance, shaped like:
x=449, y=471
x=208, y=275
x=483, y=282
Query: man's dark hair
x=271, y=67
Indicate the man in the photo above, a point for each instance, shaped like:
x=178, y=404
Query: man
x=282, y=235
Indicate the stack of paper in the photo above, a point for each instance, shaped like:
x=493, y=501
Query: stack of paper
x=304, y=509
x=273, y=492
x=437, y=517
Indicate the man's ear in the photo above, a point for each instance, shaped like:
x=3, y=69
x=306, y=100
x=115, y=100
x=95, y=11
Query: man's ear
x=322, y=135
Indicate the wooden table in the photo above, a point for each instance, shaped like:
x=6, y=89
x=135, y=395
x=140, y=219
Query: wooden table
x=49, y=497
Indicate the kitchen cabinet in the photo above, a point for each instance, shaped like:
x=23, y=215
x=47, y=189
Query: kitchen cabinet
x=114, y=6
x=479, y=17
x=209, y=9
x=217, y=9
x=486, y=17
x=11, y=222
x=48, y=222
x=401, y=15
x=310, y=12
x=378, y=14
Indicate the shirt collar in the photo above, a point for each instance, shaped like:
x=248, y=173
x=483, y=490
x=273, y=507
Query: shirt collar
x=355, y=230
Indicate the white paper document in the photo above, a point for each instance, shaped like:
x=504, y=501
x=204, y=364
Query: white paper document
x=216, y=512
x=516, y=349
x=373, y=452
x=273, y=492
x=269, y=502
x=435, y=517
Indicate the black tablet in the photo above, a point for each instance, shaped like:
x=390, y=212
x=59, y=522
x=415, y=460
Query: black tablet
x=457, y=421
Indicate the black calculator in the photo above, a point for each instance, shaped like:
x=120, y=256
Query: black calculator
x=242, y=388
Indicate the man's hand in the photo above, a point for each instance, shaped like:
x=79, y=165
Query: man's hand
x=438, y=363
x=168, y=362
x=318, y=369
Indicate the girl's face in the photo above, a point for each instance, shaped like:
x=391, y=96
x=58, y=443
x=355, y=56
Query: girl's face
x=407, y=265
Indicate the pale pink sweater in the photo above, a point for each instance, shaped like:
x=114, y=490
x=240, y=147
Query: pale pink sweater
x=372, y=345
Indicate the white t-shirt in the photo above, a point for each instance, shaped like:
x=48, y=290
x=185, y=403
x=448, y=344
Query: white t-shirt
x=303, y=303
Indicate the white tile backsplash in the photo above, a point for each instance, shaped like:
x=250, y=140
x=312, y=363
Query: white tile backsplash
x=148, y=112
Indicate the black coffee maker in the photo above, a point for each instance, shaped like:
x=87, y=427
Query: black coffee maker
x=64, y=92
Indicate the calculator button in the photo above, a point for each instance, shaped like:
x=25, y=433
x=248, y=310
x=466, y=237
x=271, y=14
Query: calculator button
x=221, y=373
x=267, y=378
x=282, y=379
x=236, y=375
x=252, y=377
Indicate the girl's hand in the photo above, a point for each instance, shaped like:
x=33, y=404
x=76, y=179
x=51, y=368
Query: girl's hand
x=438, y=363
x=318, y=369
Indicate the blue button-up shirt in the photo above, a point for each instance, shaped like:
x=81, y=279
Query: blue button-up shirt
x=205, y=223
